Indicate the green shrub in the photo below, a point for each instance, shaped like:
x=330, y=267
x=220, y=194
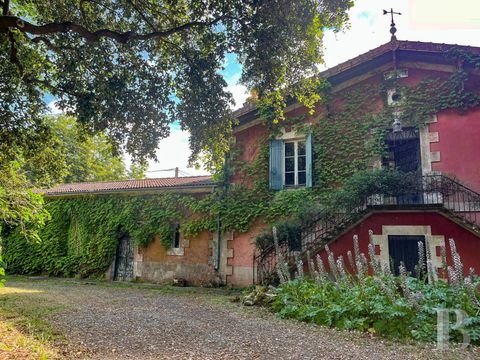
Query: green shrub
x=289, y=232
x=304, y=208
x=365, y=306
x=399, y=307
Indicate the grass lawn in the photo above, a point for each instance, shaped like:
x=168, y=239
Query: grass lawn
x=25, y=332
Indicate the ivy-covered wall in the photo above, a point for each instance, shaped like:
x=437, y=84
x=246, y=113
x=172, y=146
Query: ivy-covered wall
x=82, y=234
x=348, y=128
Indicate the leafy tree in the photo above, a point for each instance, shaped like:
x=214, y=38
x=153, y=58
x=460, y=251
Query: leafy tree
x=137, y=170
x=67, y=155
x=18, y=204
x=131, y=67
x=87, y=157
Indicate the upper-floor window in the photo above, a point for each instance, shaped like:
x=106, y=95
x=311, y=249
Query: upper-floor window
x=295, y=163
x=290, y=162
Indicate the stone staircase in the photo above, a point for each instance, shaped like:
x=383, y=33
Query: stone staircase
x=431, y=192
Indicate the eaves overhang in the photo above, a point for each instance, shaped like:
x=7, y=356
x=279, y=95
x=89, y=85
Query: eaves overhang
x=395, y=51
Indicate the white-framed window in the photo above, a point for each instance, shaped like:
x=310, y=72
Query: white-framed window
x=294, y=164
x=290, y=162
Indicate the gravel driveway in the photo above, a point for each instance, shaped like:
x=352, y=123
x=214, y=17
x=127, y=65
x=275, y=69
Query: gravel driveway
x=140, y=322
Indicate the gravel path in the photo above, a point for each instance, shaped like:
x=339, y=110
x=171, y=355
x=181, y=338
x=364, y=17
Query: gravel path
x=138, y=322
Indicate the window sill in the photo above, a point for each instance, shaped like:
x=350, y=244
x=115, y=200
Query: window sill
x=294, y=187
x=176, y=251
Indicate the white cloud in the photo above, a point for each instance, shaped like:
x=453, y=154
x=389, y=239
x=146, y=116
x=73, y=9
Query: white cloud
x=53, y=107
x=240, y=94
x=451, y=15
x=173, y=152
x=239, y=91
x=424, y=20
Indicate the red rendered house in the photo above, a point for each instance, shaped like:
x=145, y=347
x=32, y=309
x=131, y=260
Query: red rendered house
x=407, y=105
x=444, y=153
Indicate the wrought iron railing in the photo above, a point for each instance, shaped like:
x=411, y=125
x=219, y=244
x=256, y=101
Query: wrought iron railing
x=422, y=192
x=321, y=230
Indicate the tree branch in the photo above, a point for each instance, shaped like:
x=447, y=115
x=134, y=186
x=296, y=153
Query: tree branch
x=50, y=86
x=142, y=15
x=15, y=22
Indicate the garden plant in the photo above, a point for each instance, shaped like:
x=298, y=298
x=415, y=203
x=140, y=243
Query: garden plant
x=371, y=298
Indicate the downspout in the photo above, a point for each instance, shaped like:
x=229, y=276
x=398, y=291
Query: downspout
x=219, y=240
x=219, y=218
x=216, y=250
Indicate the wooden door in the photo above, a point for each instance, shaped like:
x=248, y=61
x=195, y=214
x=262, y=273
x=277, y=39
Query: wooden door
x=404, y=248
x=405, y=156
x=124, y=259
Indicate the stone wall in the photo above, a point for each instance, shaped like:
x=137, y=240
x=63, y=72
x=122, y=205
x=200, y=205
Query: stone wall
x=189, y=262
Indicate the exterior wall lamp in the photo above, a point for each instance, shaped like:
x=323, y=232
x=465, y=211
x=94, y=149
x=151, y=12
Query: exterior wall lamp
x=397, y=124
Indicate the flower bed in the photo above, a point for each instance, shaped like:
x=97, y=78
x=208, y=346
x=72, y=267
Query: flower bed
x=373, y=299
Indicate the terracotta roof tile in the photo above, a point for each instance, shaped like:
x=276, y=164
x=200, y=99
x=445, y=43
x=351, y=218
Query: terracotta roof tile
x=129, y=185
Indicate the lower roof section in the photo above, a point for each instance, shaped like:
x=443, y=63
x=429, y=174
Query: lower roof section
x=180, y=184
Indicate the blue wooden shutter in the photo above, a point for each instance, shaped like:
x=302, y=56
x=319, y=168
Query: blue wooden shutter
x=308, y=159
x=276, y=158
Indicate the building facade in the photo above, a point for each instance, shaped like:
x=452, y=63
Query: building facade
x=420, y=101
x=409, y=106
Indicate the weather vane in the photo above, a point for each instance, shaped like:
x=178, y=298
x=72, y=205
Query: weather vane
x=393, y=29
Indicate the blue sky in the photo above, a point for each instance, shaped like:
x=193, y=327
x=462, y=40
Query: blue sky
x=48, y=98
x=454, y=22
x=174, y=151
x=231, y=73
x=232, y=68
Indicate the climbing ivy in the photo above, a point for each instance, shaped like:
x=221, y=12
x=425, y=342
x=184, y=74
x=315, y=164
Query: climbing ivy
x=82, y=235
x=348, y=200
x=348, y=132
x=349, y=135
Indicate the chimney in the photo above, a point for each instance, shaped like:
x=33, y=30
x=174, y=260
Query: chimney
x=176, y=171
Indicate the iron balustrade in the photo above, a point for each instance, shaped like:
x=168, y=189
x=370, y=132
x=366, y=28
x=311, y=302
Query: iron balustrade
x=448, y=195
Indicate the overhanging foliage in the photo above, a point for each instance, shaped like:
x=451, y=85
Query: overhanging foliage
x=133, y=67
